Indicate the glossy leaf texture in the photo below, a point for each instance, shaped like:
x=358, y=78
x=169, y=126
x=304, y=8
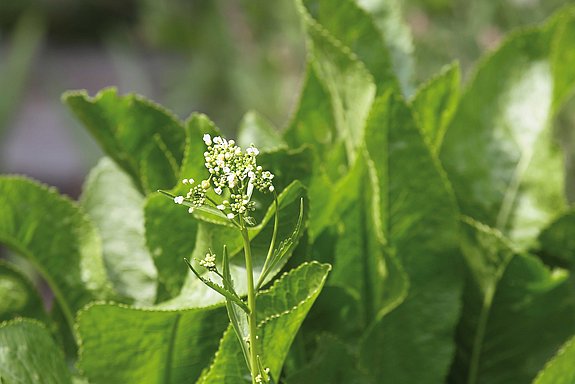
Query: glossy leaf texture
x=417, y=220
x=499, y=150
x=19, y=296
x=30, y=355
x=145, y=139
x=57, y=238
x=280, y=312
x=516, y=312
x=119, y=344
x=115, y=205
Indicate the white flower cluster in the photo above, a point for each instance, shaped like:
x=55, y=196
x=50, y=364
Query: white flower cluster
x=233, y=170
x=209, y=262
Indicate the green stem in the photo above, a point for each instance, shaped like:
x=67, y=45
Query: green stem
x=252, y=320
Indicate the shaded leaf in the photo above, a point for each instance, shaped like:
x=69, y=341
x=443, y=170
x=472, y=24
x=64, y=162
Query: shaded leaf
x=52, y=233
x=516, y=312
x=19, y=296
x=557, y=242
x=29, y=355
x=116, y=207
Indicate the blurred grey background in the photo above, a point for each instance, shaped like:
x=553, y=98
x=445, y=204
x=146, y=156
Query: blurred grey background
x=219, y=57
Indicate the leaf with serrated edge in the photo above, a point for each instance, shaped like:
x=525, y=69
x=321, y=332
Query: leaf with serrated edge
x=53, y=233
x=119, y=344
x=30, y=355
x=280, y=310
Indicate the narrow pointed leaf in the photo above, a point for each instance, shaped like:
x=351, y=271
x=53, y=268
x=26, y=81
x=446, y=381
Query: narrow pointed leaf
x=435, y=103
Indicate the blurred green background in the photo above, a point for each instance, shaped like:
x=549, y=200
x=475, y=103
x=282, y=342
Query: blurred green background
x=219, y=57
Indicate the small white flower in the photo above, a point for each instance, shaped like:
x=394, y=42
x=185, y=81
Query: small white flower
x=208, y=139
x=251, y=174
x=185, y=181
x=226, y=169
x=271, y=188
x=232, y=180
x=191, y=210
x=205, y=184
x=221, y=207
x=250, y=189
x=230, y=216
x=218, y=190
x=179, y=199
x=217, y=140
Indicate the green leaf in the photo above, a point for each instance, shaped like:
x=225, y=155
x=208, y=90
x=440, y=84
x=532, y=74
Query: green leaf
x=19, y=296
x=396, y=33
x=255, y=129
x=333, y=362
x=282, y=252
x=355, y=29
x=29, y=355
x=417, y=220
x=116, y=207
x=557, y=242
x=313, y=122
x=280, y=312
x=435, y=102
x=347, y=81
x=120, y=344
x=146, y=140
x=499, y=150
x=53, y=234
x=559, y=370
x=516, y=312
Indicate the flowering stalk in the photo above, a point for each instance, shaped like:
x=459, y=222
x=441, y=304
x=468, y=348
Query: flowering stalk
x=233, y=177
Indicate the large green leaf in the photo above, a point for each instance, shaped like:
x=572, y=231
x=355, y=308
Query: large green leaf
x=499, y=150
x=333, y=362
x=417, y=221
x=52, y=233
x=257, y=130
x=29, y=355
x=516, y=312
x=146, y=140
x=559, y=370
x=434, y=104
x=389, y=19
x=127, y=345
x=557, y=242
x=116, y=207
x=280, y=312
x=355, y=29
x=347, y=81
x=19, y=297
